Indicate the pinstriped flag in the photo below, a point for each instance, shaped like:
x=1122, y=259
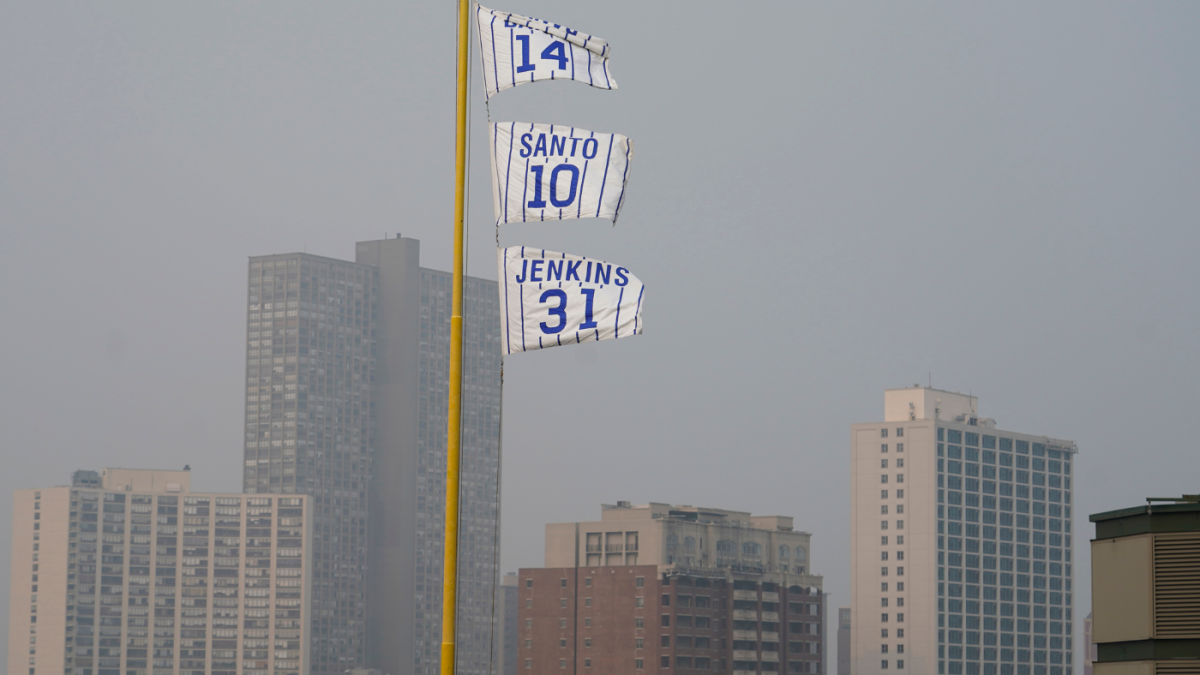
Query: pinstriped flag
x=550, y=299
x=554, y=172
x=518, y=49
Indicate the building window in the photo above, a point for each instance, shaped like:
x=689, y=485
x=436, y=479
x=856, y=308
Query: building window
x=640, y=581
x=883, y=618
x=639, y=643
x=899, y=571
x=883, y=494
x=883, y=524
x=562, y=623
x=899, y=524
x=528, y=643
x=883, y=447
x=883, y=540
x=883, y=555
x=900, y=464
x=883, y=588
x=883, y=463
x=883, y=509
x=562, y=582
x=587, y=663
x=899, y=478
x=587, y=602
x=587, y=623
x=666, y=619
x=640, y=601
x=529, y=583
x=883, y=479
x=883, y=602
x=883, y=433
x=883, y=649
x=899, y=447
x=562, y=663
x=528, y=603
x=899, y=494
x=900, y=617
x=883, y=664
x=637, y=664
x=529, y=623
x=562, y=602
x=665, y=662
x=587, y=582
x=639, y=622
x=665, y=641
x=900, y=432
x=900, y=664
x=882, y=572
x=562, y=642
x=528, y=663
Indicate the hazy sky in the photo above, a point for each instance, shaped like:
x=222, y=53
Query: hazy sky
x=826, y=200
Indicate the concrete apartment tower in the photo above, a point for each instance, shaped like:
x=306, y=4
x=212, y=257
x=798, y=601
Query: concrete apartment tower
x=347, y=366
x=962, y=557
x=843, y=636
x=129, y=571
x=665, y=589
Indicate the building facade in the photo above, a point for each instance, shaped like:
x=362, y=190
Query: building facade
x=672, y=589
x=509, y=623
x=843, y=636
x=138, y=575
x=347, y=366
x=1146, y=588
x=962, y=558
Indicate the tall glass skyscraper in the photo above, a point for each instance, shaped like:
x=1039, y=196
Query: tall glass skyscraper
x=346, y=375
x=962, y=553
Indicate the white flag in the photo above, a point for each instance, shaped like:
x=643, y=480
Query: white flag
x=550, y=299
x=518, y=49
x=552, y=172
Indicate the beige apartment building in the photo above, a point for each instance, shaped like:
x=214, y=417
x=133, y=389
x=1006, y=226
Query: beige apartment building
x=129, y=572
x=961, y=557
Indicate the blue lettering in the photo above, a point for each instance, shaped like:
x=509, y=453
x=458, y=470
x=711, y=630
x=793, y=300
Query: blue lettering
x=521, y=276
x=622, y=279
x=509, y=24
x=554, y=185
x=535, y=269
x=595, y=147
x=603, y=272
x=574, y=142
x=525, y=66
x=554, y=272
x=571, y=32
x=573, y=270
x=541, y=145
x=557, y=148
x=589, y=295
x=588, y=277
x=525, y=148
x=560, y=311
x=537, y=202
x=556, y=51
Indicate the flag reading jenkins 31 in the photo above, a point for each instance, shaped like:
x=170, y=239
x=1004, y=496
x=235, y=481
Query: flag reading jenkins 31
x=550, y=299
x=518, y=49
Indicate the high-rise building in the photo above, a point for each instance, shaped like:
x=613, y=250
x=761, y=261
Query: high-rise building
x=129, y=572
x=843, y=659
x=672, y=589
x=347, y=379
x=1146, y=588
x=962, y=558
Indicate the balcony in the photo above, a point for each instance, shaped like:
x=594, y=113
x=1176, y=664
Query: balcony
x=742, y=655
x=747, y=635
x=770, y=616
x=769, y=636
x=770, y=597
x=593, y=548
x=745, y=615
x=614, y=548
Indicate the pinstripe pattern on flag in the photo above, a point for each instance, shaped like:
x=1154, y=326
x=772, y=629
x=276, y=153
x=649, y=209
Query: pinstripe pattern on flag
x=519, y=49
x=551, y=172
x=550, y=299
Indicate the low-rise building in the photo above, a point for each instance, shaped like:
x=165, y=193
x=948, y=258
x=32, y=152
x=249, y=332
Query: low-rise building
x=1146, y=589
x=672, y=589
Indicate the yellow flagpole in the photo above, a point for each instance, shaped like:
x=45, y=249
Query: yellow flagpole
x=454, y=402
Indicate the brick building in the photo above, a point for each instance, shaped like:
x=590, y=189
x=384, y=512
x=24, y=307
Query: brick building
x=737, y=611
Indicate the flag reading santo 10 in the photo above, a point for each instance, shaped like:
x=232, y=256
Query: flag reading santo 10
x=550, y=299
x=519, y=49
x=554, y=172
